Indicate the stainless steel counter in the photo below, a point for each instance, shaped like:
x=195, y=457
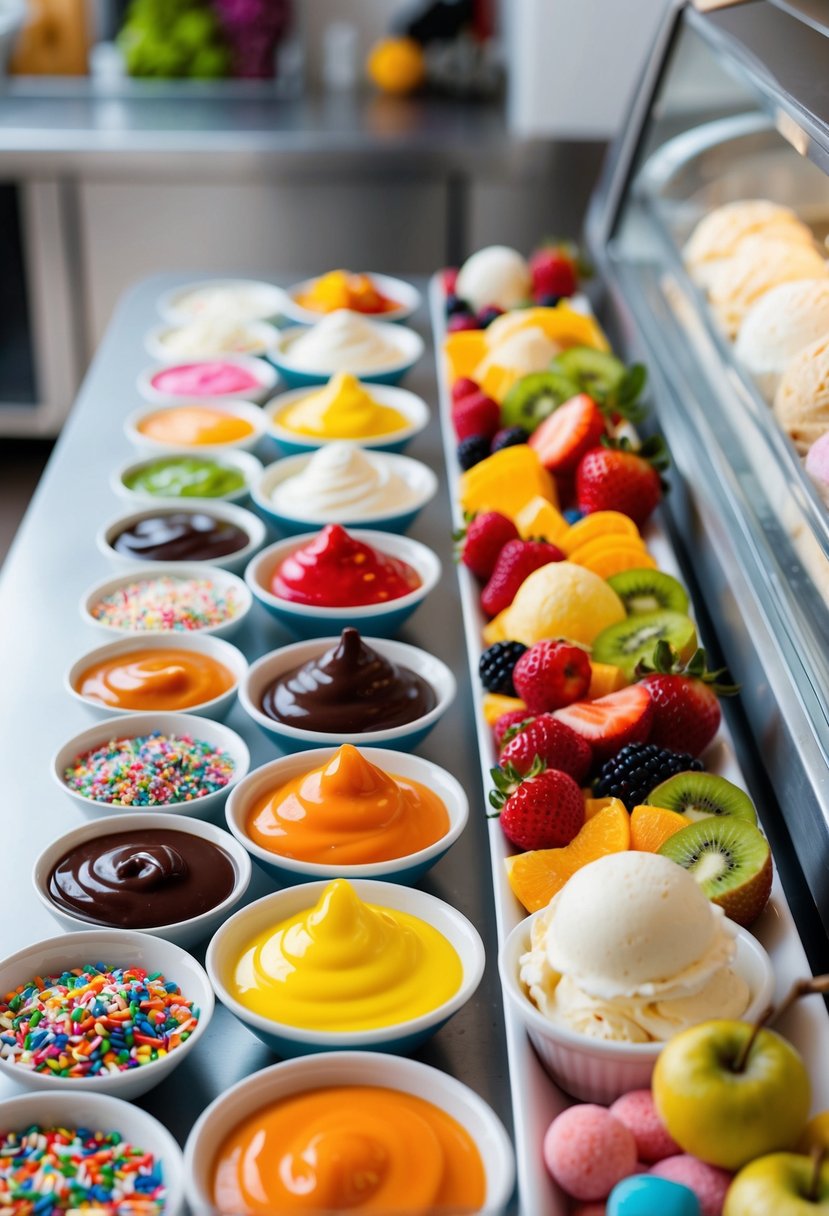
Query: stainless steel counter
x=53, y=561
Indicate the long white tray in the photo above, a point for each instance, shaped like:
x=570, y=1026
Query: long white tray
x=536, y=1100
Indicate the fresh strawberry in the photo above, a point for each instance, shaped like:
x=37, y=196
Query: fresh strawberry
x=462, y=387
x=686, y=712
x=514, y=563
x=507, y=722
x=610, y=722
x=618, y=477
x=542, y=810
x=450, y=278
x=476, y=414
x=555, y=271
x=552, y=674
x=557, y=745
x=482, y=540
x=568, y=433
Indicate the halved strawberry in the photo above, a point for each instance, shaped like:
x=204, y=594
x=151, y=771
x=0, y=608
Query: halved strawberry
x=612, y=721
x=568, y=433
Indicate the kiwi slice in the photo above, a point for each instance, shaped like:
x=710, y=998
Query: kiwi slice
x=629, y=641
x=533, y=398
x=700, y=796
x=731, y=861
x=595, y=371
x=644, y=591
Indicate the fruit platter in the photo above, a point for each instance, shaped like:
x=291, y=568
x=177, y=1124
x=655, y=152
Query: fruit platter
x=606, y=755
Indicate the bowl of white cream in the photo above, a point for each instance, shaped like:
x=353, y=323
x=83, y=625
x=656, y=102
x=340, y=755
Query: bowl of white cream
x=375, y=351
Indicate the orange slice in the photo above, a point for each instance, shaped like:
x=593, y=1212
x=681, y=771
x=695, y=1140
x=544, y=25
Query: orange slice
x=600, y=523
x=605, y=544
x=463, y=352
x=614, y=561
x=651, y=826
x=539, y=518
x=506, y=482
x=496, y=704
x=604, y=678
x=592, y=805
x=537, y=876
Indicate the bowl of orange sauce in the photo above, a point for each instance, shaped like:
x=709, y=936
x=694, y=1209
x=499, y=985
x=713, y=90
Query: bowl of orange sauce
x=357, y=812
x=197, y=426
x=171, y=673
x=388, y=1135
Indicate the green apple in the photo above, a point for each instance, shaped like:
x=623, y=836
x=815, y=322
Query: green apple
x=782, y=1184
x=815, y=1134
x=727, y=1107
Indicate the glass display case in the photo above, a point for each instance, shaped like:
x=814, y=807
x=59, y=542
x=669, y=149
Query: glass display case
x=734, y=107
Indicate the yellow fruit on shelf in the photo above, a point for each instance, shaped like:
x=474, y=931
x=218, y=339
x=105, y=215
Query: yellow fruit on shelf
x=537, y=876
x=651, y=826
x=592, y=805
x=561, y=324
x=506, y=482
x=539, y=519
x=495, y=705
x=559, y=600
x=611, y=560
x=605, y=678
x=603, y=544
x=600, y=523
x=396, y=65
x=463, y=352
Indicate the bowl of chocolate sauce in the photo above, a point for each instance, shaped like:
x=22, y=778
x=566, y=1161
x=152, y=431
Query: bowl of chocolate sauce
x=349, y=689
x=171, y=530
x=148, y=872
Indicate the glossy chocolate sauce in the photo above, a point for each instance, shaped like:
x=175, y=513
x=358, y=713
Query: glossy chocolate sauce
x=137, y=880
x=179, y=536
x=348, y=689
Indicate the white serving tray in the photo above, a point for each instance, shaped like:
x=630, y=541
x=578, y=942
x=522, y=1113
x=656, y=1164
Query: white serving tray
x=536, y=1100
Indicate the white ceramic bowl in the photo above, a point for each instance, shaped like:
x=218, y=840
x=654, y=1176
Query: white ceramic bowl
x=223, y=580
x=347, y=1068
x=130, y=726
x=236, y=933
x=419, y=477
x=407, y=296
x=260, y=369
x=292, y=738
x=409, y=343
x=246, y=410
x=593, y=1070
x=214, y=648
x=104, y=1113
x=382, y=620
x=260, y=337
x=225, y=511
x=247, y=465
x=406, y=869
x=117, y=948
x=184, y=932
x=268, y=300
x=291, y=443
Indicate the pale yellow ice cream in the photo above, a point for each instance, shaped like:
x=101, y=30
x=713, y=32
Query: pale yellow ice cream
x=759, y=264
x=560, y=600
x=778, y=326
x=630, y=950
x=718, y=236
x=496, y=275
x=528, y=350
x=801, y=403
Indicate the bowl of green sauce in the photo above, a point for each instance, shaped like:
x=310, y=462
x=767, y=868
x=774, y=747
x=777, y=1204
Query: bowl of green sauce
x=187, y=475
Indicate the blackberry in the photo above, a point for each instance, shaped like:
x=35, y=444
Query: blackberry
x=455, y=304
x=472, y=451
x=508, y=437
x=637, y=769
x=496, y=666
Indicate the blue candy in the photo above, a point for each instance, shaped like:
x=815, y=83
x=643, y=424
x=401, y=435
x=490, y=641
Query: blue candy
x=646, y=1195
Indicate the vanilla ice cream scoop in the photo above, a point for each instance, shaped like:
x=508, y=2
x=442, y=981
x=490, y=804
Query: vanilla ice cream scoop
x=759, y=264
x=801, y=403
x=341, y=481
x=778, y=326
x=496, y=275
x=343, y=341
x=718, y=236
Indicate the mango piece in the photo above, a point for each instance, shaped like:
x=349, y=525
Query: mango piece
x=463, y=352
x=495, y=705
x=539, y=518
x=604, y=679
x=614, y=561
x=600, y=523
x=605, y=544
x=506, y=482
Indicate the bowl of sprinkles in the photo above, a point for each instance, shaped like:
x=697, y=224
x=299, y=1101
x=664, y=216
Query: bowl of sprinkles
x=155, y=599
x=103, y=1010
x=90, y=1152
x=179, y=763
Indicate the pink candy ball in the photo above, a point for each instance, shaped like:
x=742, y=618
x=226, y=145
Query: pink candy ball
x=708, y=1183
x=587, y=1151
x=638, y=1112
